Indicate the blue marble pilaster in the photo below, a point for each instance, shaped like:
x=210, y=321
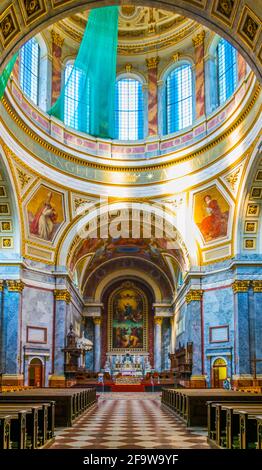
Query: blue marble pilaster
x=242, y=327
x=89, y=334
x=158, y=343
x=11, y=325
x=194, y=312
x=166, y=343
x=257, y=298
x=60, y=334
x=97, y=322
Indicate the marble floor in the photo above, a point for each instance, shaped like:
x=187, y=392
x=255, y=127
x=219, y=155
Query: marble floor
x=129, y=421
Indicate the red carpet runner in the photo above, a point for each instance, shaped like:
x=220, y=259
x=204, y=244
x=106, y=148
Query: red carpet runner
x=127, y=388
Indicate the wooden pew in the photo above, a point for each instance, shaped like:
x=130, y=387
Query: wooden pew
x=41, y=427
x=17, y=427
x=228, y=425
x=5, y=424
x=190, y=404
x=69, y=403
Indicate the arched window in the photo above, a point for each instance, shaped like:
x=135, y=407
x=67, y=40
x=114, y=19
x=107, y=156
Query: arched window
x=76, y=110
x=179, y=101
x=226, y=70
x=129, y=109
x=29, y=69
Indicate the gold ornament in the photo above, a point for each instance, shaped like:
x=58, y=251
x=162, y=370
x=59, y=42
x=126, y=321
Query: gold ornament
x=62, y=294
x=257, y=286
x=240, y=286
x=15, y=285
x=194, y=295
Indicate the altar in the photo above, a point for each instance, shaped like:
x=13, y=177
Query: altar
x=127, y=364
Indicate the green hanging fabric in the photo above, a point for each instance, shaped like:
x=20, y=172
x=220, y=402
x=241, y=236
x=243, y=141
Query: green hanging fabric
x=6, y=74
x=90, y=87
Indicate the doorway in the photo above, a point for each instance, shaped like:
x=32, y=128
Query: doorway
x=35, y=373
x=219, y=372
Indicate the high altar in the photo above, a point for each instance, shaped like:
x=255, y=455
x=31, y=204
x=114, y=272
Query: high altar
x=127, y=364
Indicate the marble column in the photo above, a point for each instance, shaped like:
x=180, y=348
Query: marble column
x=57, y=43
x=211, y=95
x=241, y=67
x=11, y=305
x=242, y=328
x=199, y=44
x=257, y=296
x=194, y=299
x=158, y=343
x=62, y=299
x=152, y=66
x=97, y=343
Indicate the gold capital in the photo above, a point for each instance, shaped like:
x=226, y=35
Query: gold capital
x=1, y=285
x=57, y=39
x=194, y=294
x=97, y=320
x=15, y=285
x=199, y=39
x=257, y=286
x=152, y=62
x=62, y=294
x=240, y=286
x=158, y=320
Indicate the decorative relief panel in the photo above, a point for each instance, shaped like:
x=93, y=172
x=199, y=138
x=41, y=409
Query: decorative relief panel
x=9, y=26
x=232, y=179
x=249, y=27
x=225, y=10
x=32, y=9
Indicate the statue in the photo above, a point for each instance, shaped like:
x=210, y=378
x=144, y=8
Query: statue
x=84, y=343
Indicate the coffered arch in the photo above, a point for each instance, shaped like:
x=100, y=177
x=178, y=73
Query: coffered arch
x=238, y=21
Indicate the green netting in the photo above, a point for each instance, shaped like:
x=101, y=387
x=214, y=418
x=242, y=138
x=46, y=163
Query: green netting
x=6, y=74
x=90, y=87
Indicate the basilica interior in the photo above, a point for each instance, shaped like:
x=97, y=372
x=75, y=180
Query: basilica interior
x=131, y=263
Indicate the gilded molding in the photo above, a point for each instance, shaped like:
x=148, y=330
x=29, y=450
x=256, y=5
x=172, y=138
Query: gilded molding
x=62, y=294
x=1, y=285
x=194, y=295
x=97, y=320
x=257, y=286
x=240, y=286
x=158, y=320
x=146, y=168
x=128, y=68
x=152, y=62
x=57, y=39
x=15, y=285
x=199, y=39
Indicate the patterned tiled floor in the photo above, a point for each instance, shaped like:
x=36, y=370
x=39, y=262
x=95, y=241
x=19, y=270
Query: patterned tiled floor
x=129, y=421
